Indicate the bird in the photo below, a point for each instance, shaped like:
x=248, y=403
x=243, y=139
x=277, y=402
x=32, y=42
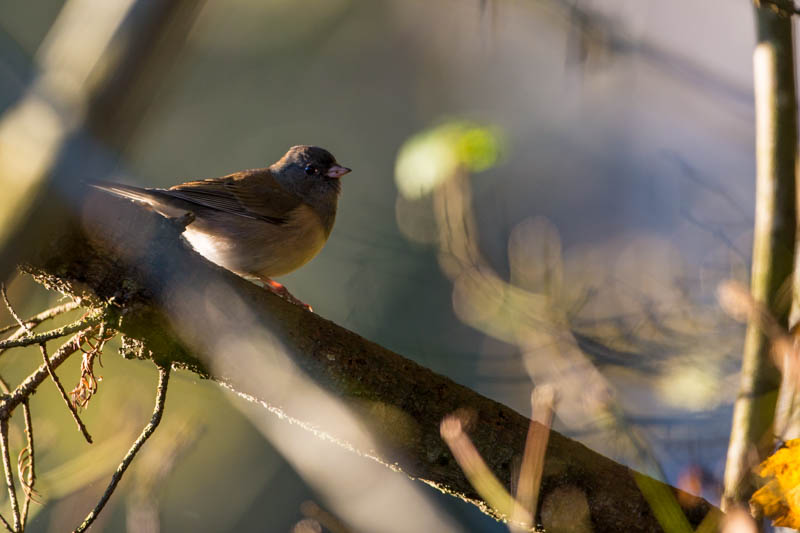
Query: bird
x=258, y=223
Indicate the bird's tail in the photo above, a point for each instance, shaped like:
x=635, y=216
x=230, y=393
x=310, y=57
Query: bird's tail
x=125, y=191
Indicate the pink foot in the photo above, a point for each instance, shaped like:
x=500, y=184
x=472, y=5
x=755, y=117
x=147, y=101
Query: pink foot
x=279, y=289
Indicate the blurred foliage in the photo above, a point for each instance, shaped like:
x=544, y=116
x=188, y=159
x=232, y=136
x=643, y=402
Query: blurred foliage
x=430, y=157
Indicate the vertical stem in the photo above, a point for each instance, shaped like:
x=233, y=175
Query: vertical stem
x=12, y=492
x=773, y=245
x=30, y=468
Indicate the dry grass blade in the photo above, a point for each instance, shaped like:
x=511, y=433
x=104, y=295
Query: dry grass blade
x=88, y=383
x=25, y=470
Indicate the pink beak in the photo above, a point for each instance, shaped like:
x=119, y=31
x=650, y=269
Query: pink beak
x=337, y=171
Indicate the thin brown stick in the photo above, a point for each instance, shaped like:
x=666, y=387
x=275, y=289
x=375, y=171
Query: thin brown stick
x=28, y=387
x=530, y=474
x=158, y=411
x=474, y=466
x=37, y=319
x=12, y=491
x=5, y=523
x=14, y=314
x=64, y=396
x=30, y=466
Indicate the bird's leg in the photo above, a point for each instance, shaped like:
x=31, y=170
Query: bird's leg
x=279, y=289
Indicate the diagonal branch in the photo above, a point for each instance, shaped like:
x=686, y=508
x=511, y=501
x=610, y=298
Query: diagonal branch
x=183, y=309
x=64, y=396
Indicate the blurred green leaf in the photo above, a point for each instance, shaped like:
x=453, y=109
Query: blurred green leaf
x=432, y=156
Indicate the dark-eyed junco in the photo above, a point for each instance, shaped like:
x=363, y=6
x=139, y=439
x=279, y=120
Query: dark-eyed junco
x=258, y=223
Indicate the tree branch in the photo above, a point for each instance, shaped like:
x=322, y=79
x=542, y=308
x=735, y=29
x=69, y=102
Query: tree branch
x=12, y=492
x=185, y=310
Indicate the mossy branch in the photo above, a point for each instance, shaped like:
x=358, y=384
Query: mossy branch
x=184, y=310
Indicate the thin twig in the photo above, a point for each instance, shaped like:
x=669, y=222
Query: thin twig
x=28, y=387
x=158, y=410
x=30, y=466
x=12, y=491
x=530, y=473
x=49, y=335
x=43, y=316
x=63, y=393
x=14, y=314
x=5, y=523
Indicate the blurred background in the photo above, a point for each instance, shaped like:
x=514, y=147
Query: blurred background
x=543, y=192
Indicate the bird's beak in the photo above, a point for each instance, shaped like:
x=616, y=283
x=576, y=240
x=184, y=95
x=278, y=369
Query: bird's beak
x=337, y=171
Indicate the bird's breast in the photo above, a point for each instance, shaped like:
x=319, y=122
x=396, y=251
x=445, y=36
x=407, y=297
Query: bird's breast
x=256, y=248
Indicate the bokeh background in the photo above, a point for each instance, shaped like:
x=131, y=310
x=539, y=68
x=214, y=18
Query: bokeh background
x=614, y=193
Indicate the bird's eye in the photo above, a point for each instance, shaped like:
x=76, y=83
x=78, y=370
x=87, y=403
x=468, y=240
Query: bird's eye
x=311, y=170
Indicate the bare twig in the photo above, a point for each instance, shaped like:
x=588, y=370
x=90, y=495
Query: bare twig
x=5, y=523
x=476, y=469
x=158, y=410
x=12, y=491
x=30, y=340
x=530, y=475
x=28, y=387
x=63, y=393
x=14, y=314
x=43, y=316
x=26, y=464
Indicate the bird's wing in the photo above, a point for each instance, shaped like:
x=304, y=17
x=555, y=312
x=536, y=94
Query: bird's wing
x=251, y=193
